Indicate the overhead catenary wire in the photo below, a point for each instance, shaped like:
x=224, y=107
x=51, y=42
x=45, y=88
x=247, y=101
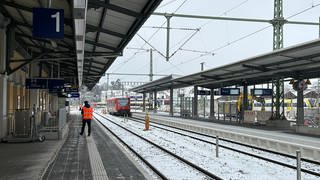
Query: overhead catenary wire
x=245, y=36
x=303, y=11
x=166, y=4
x=226, y=45
x=150, y=45
x=129, y=59
x=145, y=42
x=224, y=13
x=159, y=27
x=193, y=34
x=229, y=10
x=196, y=51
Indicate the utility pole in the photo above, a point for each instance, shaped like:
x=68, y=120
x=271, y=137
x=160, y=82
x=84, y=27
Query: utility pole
x=202, y=66
x=168, y=36
x=151, y=66
x=278, y=84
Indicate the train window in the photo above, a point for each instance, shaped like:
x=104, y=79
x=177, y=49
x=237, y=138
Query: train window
x=123, y=101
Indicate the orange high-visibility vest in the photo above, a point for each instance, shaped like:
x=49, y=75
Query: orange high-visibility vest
x=87, y=113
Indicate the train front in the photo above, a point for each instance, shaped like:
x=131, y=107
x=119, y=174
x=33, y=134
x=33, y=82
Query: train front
x=123, y=106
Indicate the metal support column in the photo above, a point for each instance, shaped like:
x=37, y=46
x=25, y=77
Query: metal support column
x=212, y=113
x=3, y=75
x=151, y=66
x=10, y=100
x=195, y=102
x=155, y=102
x=278, y=84
x=168, y=37
x=171, y=102
x=244, y=100
x=143, y=102
x=150, y=103
x=300, y=107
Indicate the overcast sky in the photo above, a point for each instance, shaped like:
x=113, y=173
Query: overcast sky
x=223, y=38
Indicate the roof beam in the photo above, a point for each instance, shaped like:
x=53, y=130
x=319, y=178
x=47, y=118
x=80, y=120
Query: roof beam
x=90, y=66
x=101, y=45
x=43, y=40
x=255, y=67
x=102, y=18
x=211, y=77
x=15, y=5
x=91, y=28
x=183, y=82
x=96, y=62
x=97, y=4
x=92, y=70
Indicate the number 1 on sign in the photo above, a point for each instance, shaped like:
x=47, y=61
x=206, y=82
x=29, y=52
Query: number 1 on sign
x=57, y=16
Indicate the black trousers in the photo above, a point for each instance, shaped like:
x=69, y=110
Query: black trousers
x=84, y=125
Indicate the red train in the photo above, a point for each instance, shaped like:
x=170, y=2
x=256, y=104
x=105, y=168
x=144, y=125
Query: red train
x=119, y=106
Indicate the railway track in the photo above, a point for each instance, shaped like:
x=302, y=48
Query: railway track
x=185, y=164
x=201, y=137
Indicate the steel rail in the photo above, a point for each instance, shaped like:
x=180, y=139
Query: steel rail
x=236, y=150
x=205, y=172
x=154, y=169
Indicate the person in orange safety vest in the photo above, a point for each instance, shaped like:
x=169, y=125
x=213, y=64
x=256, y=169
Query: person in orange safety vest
x=87, y=113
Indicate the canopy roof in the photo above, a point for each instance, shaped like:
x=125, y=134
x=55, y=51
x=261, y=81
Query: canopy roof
x=110, y=27
x=299, y=62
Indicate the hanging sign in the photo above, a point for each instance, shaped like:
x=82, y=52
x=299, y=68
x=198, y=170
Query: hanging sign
x=48, y=23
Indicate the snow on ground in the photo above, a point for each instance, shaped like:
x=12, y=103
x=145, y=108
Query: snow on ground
x=272, y=156
x=229, y=164
x=171, y=168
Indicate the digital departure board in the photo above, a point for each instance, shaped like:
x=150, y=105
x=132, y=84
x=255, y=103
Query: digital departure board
x=230, y=91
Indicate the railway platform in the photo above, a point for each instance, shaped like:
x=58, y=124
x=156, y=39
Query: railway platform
x=75, y=157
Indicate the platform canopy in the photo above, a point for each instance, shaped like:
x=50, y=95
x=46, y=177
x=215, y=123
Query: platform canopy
x=157, y=85
x=301, y=61
x=110, y=25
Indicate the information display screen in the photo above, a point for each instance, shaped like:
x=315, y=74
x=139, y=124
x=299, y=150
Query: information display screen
x=203, y=92
x=230, y=91
x=261, y=92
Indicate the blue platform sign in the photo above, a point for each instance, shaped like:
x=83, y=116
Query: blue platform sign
x=36, y=83
x=54, y=85
x=73, y=95
x=261, y=92
x=230, y=91
x=48, y=23
x=203, y=92
x=70, y=89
